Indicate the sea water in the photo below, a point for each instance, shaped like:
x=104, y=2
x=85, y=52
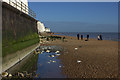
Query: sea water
x=114, y=36
x=46, y=68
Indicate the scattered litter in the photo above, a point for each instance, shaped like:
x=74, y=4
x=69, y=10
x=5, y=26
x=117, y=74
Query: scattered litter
x=76, y=48
x=78, y=61
x=10, y=75
x=4, y=74
x=53, y=61
x=57, y=54
x=57, y=51
x=47, y=51
x=21, y=74
x=60, y=66
x=42, y=52
x=51, y=56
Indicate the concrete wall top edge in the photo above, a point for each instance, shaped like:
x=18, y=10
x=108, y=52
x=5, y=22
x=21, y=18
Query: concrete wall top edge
x=6, y=5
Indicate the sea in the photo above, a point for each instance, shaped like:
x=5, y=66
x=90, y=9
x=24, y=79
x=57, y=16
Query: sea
x=114, y=36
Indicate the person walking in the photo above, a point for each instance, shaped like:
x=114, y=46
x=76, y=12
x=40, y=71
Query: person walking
x=98, y=37
x=87, y=37
x=81, y=37
x=101, y=37
x=78, y=36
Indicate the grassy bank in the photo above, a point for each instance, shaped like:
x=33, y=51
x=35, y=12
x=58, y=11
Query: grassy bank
x=16, y=45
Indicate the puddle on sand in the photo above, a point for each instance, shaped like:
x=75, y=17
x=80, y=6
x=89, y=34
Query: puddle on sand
x=48, y=67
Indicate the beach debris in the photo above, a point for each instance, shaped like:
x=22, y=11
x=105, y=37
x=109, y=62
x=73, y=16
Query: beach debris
x=57, y=54
x=78, y=61
x=10, y=75
x=42, y=52
x=4, y=74
x=57, y=51
x=25, y=73
x=53, y=61
x=76, y=48
x=21, y=74
x=60, y=66
x=47, y=51
x=51, y=56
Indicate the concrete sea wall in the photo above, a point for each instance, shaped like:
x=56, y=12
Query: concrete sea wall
x=16, y=24
x=18, y=30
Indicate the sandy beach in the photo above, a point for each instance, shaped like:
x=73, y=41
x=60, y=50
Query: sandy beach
x=88, y=59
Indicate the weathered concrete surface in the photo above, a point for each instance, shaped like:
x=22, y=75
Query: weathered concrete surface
x=11, y=60
x=16, y=24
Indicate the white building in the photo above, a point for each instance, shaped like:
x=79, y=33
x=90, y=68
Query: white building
x=47, y=29
x=40, y=27
x=24, y=6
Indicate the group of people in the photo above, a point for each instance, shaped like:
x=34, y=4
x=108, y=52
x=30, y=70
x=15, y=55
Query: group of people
x=99, y=37
x=78, y=37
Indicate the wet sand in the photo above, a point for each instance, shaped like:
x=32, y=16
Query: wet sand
x=99, y=59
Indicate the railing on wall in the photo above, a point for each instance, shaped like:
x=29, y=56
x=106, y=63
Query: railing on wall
x=22, y=7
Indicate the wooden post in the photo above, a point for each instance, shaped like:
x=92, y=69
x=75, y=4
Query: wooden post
x=9, y=1
x=16, y=3
x=25, y=8
x=21, y=6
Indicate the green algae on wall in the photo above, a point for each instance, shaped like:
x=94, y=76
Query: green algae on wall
x=19, y=30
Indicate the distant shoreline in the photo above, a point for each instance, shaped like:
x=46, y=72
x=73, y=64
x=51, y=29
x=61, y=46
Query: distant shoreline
x=92, y=36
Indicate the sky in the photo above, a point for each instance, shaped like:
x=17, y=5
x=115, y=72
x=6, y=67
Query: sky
x=77, y=16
